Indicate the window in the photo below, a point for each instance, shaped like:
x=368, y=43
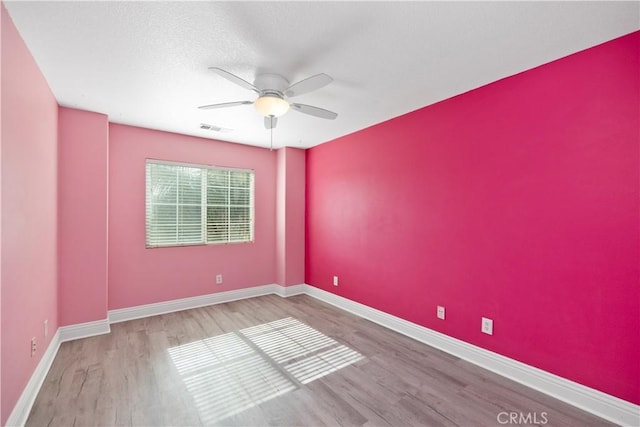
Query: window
x=194, y=205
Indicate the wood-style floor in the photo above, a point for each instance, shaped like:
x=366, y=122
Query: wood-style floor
x=274, y=361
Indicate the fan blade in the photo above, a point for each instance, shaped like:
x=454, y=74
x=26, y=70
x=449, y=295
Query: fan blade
x=235, y=79
x=270, y=122
x=307, y=85
x=224, y=105
x=315, y=111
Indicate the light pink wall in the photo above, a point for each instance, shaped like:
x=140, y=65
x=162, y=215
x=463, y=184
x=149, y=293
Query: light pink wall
x=290, y=216
x=29, y=205
x=82, y=216
x=141, y=276
x=517, y=201
x=281, y=216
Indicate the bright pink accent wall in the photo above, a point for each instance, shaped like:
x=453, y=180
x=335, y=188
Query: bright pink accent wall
x=82, y=216
x=142, y=276
x=517, y=201
x=29, y=203
x=290, y=216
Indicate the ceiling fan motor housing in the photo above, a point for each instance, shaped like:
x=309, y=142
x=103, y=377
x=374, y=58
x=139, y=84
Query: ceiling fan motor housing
x=271, y=83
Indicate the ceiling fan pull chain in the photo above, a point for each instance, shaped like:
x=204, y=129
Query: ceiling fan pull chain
x=271, y=146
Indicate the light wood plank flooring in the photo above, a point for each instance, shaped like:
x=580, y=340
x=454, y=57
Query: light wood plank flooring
x=281, y=362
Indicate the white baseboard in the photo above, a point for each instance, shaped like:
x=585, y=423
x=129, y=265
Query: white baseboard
x=140, y=311
x=588, y=399
x=20, y=413
x=84, y=330
x=596, y=402
x=289, y=291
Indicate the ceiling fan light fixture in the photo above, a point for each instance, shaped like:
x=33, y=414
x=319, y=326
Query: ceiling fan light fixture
x=271, y=105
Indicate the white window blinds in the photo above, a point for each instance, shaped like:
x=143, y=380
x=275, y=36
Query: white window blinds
x=191, y=205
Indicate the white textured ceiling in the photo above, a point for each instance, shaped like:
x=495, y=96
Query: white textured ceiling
x=145, y=63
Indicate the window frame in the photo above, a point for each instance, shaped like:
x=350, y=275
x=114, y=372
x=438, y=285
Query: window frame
x=203, y=203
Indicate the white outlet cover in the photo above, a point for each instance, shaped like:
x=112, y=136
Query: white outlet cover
x=335, y=280
x=487, y=326
x=440, y=312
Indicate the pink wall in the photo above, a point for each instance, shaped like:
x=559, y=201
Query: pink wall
x=281, y=216
x=517, y=201
x=29, y=205
x=82, y=216
x=290, y=216
x=141, y=276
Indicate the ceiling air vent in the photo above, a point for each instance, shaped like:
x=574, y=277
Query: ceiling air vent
x=213, y=128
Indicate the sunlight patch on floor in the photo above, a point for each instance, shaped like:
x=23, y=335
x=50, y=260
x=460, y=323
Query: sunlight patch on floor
x=230, y=373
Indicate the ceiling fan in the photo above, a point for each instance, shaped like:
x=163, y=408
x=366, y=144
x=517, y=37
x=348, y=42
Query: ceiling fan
x=273, y=91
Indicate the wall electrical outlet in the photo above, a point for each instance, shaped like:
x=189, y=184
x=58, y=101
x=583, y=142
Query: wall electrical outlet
x=335, y=280
x=487, y=326
x=219, y=279
x=46, y=328
x=33, y=346
x=440, y=312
